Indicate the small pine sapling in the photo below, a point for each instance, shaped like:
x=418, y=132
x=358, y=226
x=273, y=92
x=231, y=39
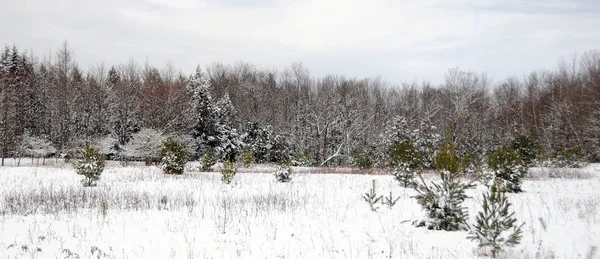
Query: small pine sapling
x=390, y=201
x=247, y=158
x=91, y=165
x=443, y=201
x=228, y=171
x=507, y=168
x=496, y=227
x=372, y=198
x=208, y=159
x=283, y=173
x=407, y=162
x=173, y=156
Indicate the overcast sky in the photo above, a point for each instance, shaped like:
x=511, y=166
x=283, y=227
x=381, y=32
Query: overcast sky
x=398, y=40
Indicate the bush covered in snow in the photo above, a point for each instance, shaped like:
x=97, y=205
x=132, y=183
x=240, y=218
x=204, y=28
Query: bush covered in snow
x=283, y=173
x=173, y=156
x=91, y=165
x=108, y=146
x=36, y=147
x=507, y=168
x=145, y=144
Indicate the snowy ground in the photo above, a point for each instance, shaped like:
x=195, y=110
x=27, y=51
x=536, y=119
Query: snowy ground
x=137, y=212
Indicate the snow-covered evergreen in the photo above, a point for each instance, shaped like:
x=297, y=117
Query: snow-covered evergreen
x=507, y=169
x=91, y=165
x=213, y=120
x=443, y=200
x=173, y=156
x=426, y=141
x=266, y=146
x=396, y=131
x=406, y=162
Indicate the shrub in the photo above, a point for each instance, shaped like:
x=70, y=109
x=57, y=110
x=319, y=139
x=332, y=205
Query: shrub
x=208, y=159
x=406, y=161
x=173, y=157
x=508, y=168
x=527, y=147
x=248, y=158
x=91, y=165
x=496, y=226
x=145, y=144
x=302, y=160
x=228, y=171
x=566, y=158
x=283, y=173
x=361, y=159
x=471, y=165
x=443, y=201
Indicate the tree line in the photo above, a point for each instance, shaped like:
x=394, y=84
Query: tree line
x=288, y=114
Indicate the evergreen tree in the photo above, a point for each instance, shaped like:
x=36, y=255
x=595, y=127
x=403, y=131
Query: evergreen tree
x=407, y=163
x=208, y=159
x=8, y=105
x=426, y=140
x=496, y=227
x=213, y=120
x=173, y=156
x=266, y=146
x=204, y=109
x=91, y=165
x=397, y=131
x=507, y=168
x=528, y=148
x=443, y=201
x=124, y=104
x=228, y=143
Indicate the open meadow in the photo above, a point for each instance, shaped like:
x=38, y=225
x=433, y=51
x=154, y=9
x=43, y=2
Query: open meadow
x=139, y=212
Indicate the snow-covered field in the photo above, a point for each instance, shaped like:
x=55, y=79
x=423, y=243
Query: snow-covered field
x=137, y=212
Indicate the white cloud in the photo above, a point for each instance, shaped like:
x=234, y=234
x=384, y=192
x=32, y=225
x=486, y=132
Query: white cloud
x=400, y=38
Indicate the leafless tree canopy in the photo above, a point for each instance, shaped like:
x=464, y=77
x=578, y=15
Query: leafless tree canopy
x=325, y=118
